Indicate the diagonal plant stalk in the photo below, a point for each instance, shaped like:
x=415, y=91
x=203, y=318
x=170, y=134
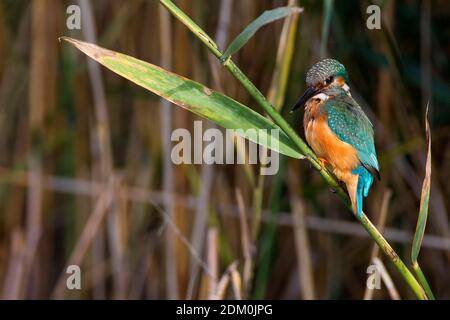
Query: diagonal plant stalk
x=304, y=149
x=257, y=95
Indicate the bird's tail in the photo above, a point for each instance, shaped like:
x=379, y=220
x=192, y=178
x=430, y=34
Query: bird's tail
x=358, y=187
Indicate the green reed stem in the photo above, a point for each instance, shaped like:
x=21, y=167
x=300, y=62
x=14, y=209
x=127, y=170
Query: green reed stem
x=423, y=280
x=307, y=152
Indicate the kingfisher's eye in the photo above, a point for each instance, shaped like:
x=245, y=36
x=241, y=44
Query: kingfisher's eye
x=328, y=80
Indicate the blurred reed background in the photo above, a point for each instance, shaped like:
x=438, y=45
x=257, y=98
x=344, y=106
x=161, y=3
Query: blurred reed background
x=86, y=176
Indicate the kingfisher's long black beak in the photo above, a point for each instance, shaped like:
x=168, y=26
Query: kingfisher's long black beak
x=309, y=92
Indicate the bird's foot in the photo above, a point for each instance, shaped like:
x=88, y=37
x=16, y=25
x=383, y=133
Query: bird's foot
x=323, y=163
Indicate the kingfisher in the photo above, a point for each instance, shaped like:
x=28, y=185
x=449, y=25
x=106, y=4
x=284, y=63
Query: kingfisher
x=338, y=130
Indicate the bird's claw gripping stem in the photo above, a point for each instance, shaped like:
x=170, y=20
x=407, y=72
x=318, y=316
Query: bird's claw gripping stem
x=323, y=163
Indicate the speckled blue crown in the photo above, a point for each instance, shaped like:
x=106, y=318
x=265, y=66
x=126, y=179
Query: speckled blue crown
x=324, y=69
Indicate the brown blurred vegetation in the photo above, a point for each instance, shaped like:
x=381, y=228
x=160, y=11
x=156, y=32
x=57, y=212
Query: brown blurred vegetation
x=86, y=177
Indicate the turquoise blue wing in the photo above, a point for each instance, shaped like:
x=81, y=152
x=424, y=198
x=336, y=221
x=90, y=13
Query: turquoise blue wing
x=349, y=122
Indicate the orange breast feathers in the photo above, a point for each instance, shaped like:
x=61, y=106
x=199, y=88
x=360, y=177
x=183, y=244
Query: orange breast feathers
x=341, y=155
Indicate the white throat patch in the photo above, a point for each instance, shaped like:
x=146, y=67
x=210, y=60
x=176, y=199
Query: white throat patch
x=321, y=96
